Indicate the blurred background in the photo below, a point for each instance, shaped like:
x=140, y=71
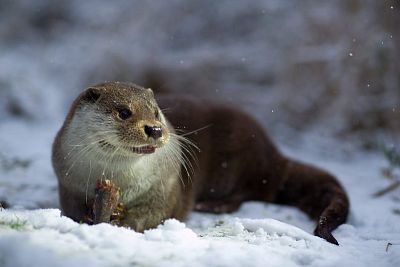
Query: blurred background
x=325, y=67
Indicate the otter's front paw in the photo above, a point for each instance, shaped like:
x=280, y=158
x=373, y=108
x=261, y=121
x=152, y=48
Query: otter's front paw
x=118, y=214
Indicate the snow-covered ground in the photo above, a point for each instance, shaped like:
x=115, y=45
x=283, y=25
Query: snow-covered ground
x=322, y=77
x=258, y=234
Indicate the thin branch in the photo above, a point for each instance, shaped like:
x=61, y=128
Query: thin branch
x=387, y=189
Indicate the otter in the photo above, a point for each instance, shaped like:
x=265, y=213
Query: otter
x=176, y=154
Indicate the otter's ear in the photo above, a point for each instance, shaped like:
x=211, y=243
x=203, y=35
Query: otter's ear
x=150, y=92
x=91, y=95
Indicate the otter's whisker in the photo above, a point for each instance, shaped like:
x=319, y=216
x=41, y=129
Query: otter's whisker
x=87, y=182
x=197, y=130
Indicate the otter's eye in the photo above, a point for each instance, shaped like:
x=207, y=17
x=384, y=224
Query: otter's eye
x=125, y=114
x=157, y=114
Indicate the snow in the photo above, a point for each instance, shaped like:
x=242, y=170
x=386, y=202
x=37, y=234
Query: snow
x=58, y=241
x=308, y=77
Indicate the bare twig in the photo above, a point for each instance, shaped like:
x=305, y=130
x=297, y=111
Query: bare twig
x=387, y=189
x=388, y=245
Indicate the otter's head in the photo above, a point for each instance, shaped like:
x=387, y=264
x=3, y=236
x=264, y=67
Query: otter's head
x=119, y=118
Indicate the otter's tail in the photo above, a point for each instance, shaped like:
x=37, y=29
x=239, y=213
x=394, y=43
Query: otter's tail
x=318, y=194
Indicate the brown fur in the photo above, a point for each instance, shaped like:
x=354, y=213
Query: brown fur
x=236, y=162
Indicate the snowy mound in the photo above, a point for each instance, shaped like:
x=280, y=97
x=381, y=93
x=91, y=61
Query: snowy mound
x=45, y=238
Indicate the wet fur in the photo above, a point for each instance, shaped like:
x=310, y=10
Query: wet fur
x=229, y=161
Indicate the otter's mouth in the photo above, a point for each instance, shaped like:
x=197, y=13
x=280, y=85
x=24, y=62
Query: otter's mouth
x=138, y=150
x=143, y=149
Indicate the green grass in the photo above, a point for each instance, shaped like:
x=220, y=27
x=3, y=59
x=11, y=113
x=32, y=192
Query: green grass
x=18, y=224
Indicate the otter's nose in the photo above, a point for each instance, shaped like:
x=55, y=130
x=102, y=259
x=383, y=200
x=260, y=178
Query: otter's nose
x=153, y=131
